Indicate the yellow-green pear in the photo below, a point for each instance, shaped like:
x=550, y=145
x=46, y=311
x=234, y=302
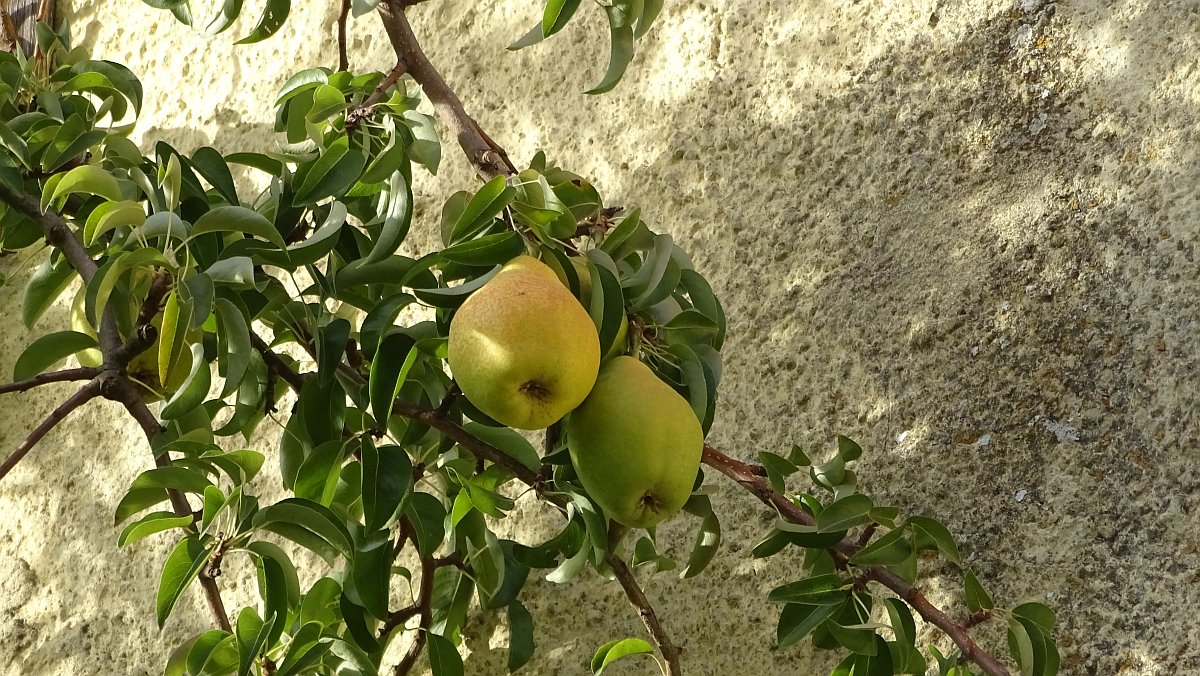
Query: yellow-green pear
x=635, y=444
x=522, y=348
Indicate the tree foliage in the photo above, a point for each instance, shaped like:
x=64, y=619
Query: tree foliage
x=234, y=297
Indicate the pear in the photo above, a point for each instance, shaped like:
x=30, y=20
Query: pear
x=522, y=348
x=635, y=444
x=143, y=368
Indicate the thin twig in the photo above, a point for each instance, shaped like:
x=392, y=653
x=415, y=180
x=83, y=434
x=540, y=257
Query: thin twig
x=357, y=114
x=343, y=57
x=425, y=610
x=645, y=611
x=63, y=376
x=277, y=365
x=488, y=158
x=85, y=394
x=744, y=475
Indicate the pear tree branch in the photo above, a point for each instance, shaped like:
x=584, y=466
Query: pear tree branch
x=63, y=376
x=488, y=158
x=111, y=381
x=746, y=476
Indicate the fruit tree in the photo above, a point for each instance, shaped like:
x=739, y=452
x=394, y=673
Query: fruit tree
x=203, y=306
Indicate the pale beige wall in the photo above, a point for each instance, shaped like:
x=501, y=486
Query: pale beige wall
x=962, y=233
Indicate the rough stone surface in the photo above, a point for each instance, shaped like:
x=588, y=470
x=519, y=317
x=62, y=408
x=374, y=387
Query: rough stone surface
x=962, y=233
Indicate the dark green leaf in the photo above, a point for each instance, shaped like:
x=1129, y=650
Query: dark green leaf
x=556, y=15
x=975, y=595
x=46, y=284
x=621, y=52
x=489, y=201
x=708, y=538
x=286, y=516
x=389, y=369
x=49, y=349
x=228, y=218
x=797, y=620
x=213, y=168
x=929, y=534
x=508, y=441
x=486, y=251
x=889, y=550
x=520, y=636
x=271, y=20
x=396, y=221
x=777, y=469
x=822, y=590
x=427, y=516
x=182, y=566
x=386, y=483
x=846, y=513
x=444, y=659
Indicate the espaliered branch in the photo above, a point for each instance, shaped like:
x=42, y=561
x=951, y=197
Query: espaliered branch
x=384, y=455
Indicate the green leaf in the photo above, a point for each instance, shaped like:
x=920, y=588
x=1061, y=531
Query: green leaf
x=380, y=320
x=444, y=659
x=708, y=538
x=389, y=369
x=425, y=149
x=848, y=512
x=215, y=652
x=847, y=449
x=327, y=101
x=428, y=517
x=607, y=307
x=777, y=469
x=486, y=251
x=334, y=171
x=798, y=620
x=386, y=484
x=182, y=566
x=1020, y=646
x=212, y=166
x=194, y=389
x=229, y=218
x=975, y=595
x=305, y=649
x=570, y=568
x=88, y=179
x=172, y=339
x=650, y=12
x=614, y=650
x=483, y=207
x=154, y=522
x=396, y=220
x=821, y=590
x=929, y=534
x=556, y=15
x=371, y=574
x=318, y=474
x=454, y=296
x=507, y=441
x=520, y=636
x=49, y=349
x=46, y=284
x=233, y=345
x=269, y=23
x=621, y=51
x=531, y=38
x=110, y=216
x=308, y=524
x=251, y=633
x=889, y=550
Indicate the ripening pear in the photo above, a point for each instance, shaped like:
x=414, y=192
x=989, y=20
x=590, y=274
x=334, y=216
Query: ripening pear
x=522, y=348
x=143, y=368
x=635, y=444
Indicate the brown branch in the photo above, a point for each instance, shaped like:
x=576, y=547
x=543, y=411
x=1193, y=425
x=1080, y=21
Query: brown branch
x=425, y=610
x=63, y=376
x=645, y=611
x=85, y=394
x=111, y=383
x=745, y=475
x=58, y=232
x=277, y=365
x=122, y=390
x=362, y=111
x=488, y=158
x=343, y=57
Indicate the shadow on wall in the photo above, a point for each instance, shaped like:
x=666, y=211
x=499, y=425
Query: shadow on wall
x=962, y=240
